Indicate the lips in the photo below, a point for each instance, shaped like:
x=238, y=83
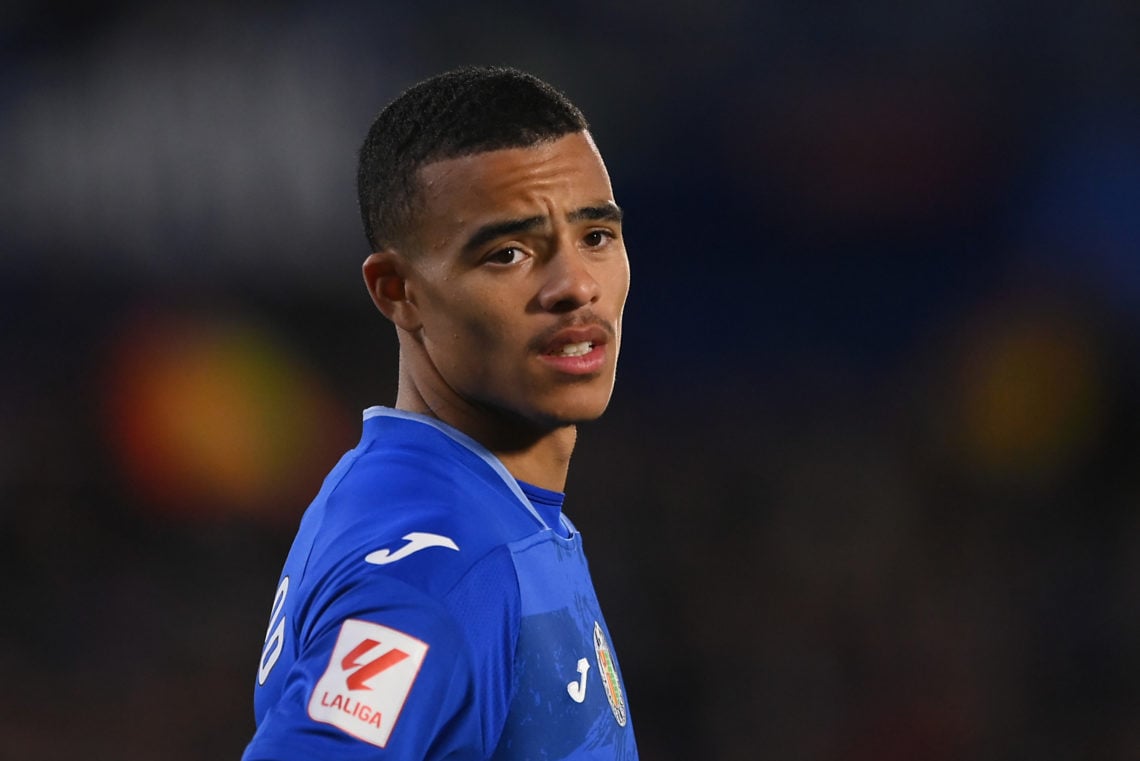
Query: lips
x=575, y=351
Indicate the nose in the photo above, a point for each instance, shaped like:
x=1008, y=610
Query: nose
x=569, y=284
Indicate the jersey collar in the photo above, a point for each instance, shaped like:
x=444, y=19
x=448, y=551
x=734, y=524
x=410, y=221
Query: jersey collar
x=476, y=449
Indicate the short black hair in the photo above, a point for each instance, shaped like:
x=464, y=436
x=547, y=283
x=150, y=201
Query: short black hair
x=458, y=113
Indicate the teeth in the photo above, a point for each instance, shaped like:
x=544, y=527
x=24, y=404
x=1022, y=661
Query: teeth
x=575, y=350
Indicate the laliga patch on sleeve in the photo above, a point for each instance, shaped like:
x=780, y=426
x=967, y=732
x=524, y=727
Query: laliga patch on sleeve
x=367, y=681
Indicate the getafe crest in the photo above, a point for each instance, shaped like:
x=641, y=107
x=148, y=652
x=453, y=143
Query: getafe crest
x=609, y=674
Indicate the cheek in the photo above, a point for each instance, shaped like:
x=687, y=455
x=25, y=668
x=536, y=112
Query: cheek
x=622, y=291
x=619, y=282
x=474, y=335
x=466, y=338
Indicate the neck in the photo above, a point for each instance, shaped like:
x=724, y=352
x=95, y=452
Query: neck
x=545, y=462
x=530, y=452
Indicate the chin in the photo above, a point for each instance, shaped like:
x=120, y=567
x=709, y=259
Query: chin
x=556, y=409
x=574, y=412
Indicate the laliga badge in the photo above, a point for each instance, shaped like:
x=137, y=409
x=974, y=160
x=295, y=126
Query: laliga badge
x=367, y=681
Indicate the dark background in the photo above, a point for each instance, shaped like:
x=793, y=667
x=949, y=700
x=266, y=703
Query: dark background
x=869, y=487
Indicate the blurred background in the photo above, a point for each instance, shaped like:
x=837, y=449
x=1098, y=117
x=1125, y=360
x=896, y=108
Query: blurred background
x=869, y=487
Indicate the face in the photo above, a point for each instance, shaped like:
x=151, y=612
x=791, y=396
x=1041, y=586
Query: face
x=518, y=283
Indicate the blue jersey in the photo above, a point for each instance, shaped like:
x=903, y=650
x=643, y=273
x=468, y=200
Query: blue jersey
x=434, y=607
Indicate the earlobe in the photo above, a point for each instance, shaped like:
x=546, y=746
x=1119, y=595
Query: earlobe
x=384, y=275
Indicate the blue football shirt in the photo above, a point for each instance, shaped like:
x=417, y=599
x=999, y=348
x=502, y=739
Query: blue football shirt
x=434, y=607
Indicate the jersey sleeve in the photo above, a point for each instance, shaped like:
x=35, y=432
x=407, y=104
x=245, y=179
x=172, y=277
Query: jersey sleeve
x=382, y=670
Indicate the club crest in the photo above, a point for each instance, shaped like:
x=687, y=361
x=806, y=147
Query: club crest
x=610, y=679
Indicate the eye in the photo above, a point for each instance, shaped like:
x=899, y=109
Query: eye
x=508, y=255
x=597, y=238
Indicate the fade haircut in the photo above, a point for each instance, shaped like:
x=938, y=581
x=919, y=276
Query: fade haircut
x=461, y=112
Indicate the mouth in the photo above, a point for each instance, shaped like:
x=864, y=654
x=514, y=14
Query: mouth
x=579, y=350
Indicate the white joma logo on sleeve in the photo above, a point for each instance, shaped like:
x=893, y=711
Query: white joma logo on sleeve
x=416, y=541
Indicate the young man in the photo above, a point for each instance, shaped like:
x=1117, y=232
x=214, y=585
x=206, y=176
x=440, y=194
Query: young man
x=436, y=602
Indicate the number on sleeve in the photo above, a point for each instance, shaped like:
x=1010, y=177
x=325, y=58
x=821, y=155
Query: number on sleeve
x=275, y=634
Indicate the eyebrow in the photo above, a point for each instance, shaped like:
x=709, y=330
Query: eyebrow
x=609, y=211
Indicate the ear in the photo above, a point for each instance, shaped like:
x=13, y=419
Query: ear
x=385, y=275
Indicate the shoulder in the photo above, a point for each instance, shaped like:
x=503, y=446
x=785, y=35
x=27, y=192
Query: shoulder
x=405, y=553
x=414, y=508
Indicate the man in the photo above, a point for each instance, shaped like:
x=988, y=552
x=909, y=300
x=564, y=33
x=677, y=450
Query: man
x=436, y=602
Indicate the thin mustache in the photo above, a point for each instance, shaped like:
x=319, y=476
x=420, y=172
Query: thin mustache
x=543, y=339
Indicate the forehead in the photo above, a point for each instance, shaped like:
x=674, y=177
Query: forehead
x=549, y=178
